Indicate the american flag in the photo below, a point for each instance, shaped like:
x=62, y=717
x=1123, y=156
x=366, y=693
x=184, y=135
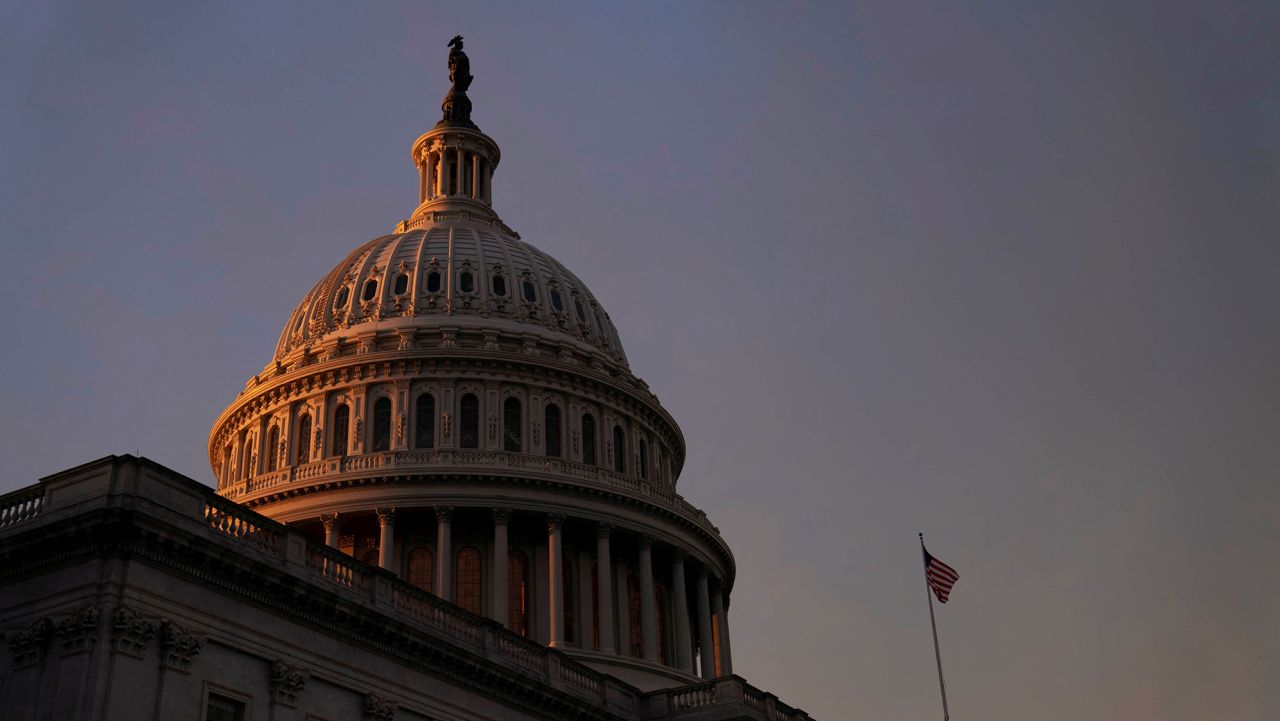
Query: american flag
x=940, y=576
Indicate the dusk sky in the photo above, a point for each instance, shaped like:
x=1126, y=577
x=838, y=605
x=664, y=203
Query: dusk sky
x=1004, y=273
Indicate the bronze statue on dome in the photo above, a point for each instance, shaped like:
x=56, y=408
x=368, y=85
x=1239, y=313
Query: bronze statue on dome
x=459, y=66
x=456, y=105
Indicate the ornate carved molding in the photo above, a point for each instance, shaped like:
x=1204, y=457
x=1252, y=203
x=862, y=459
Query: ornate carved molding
x=500, y=516
x=604, y=529
x=29, y=643
x=287, y=681
x=181, y=645
x=378, y=708
x=555, y=521
x=130, y=632
x=329, y=520
x=386, y=515
x=444, y=514
x=78, y=630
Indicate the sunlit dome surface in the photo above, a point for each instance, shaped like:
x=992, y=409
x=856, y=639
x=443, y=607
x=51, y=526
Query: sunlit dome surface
x=406, y=281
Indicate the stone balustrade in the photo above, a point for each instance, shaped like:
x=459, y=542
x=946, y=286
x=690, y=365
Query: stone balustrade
x=21, y=505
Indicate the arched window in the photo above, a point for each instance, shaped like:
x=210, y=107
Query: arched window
x=246, y=458
x=402, y=284
x=226, y=477
x=511, y=425
x=570, y=627
x=588, y=439
x=433, y=281
x=518, y=593
x=619, y=450
x=499, y=284
x=370, y=290
x=424, y=422
x=466, y=282
x=556, y=301
x=421, y=568
x=660, y=591
x=341, y=299
x=273, y=447
x=633, y=602
x=551, y=421
x=530, y=293
x=303, y=454
x=382, y=424
x=341, y=417
x=644, y=460
x=468, y=580
x=469, y=421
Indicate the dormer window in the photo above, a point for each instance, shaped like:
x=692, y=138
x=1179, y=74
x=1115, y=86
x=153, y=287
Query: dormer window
x=556, y=301
x=402, y=284
x=341, y=300
x=433, y=281
x=530, y=294
x=582, y=316
x=499, y=284
x=370, y=290
x=467, y=282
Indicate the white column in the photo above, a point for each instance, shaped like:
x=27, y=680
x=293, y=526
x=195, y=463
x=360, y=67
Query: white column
x=444, y=552
x=707, y=648
x=441, y=166
x=498, y=612
x=680, y=603
x=331, y=529
x=386, y=539
x=604, y=587
x=717, y=608
x=624, y=610
x=555, y=580
x=586, y=617
x=460, y=157
x=648, y=605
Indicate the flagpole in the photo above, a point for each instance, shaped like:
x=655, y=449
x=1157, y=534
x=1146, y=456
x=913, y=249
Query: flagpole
x=942, y=686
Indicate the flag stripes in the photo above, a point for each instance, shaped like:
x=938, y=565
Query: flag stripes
x=940, y=576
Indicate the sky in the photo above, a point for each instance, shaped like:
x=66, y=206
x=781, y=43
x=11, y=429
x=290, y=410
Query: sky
x=1004, y=273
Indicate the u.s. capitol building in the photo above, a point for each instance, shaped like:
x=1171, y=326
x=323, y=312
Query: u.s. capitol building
x=447, y=496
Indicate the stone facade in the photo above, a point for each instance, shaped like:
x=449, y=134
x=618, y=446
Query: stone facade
x=136, y=593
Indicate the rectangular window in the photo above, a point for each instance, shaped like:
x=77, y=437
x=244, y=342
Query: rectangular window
x=223, y=707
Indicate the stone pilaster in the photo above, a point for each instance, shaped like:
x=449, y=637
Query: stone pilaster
x=680, y=604
x=386, y=538
x=604, y=587
x=498, y=610
x=444, y=552
x=705, y=645
x=648, y=602
x=555, y=579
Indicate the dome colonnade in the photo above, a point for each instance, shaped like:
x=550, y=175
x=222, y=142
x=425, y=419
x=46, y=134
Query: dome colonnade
x=455, y=406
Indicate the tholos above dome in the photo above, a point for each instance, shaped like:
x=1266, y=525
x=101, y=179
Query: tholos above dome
x=462, y=272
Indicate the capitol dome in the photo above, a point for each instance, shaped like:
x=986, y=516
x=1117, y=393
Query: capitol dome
x=452, y=406
x=461, y=270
